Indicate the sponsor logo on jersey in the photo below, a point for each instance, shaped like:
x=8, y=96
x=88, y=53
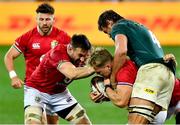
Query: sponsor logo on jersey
x=36, y=45
x=149, y=91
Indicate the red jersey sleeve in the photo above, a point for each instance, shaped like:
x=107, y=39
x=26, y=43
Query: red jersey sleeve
x=127, y=74
x=21, y=42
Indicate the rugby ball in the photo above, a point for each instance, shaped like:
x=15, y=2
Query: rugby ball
x=97, y=85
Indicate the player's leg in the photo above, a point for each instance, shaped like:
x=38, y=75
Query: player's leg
x=177, y=112
x=36, y=116
x=78, y=115
x=68, y=108
x=75, y=114
x=33, y=115
x=160, y=118
x=33, y=107
x=151, y=91
x=53, y=119
x=178, y=117
x=141, y=111
x=48, y=116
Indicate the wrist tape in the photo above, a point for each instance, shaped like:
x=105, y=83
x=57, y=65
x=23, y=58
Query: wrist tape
x=12, y=74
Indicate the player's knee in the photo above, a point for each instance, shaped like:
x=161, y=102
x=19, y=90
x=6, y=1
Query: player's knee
x=178, y=118
x=78, y=116
x=141, y=110
x=84, y=120
x=33, y=115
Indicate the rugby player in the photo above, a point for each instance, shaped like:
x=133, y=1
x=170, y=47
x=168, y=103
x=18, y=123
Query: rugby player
x=33, y=45
x=155, y=79
x=48, y=84
x=102, y=60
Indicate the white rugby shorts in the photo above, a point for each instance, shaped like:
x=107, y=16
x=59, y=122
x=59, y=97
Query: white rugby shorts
x=53, y=103
x=154, y=82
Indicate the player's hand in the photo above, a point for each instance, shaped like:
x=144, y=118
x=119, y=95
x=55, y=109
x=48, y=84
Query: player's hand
x=169, y=57
x=95, y=96
x=107, y=81
x=16, y=82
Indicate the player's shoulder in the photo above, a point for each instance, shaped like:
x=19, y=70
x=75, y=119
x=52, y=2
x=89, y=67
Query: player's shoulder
x=125, y=24
x=59, y=52
x=32, y=31
x=64, y=36
x=120, y=27
x=129, y=63
x=59, y=31
x=27, y=35
x=60, y=48
x=129, y=67
x=122, y=22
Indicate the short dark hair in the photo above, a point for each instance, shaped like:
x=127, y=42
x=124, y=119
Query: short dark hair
x=80, y=41
x=45, y=8
x=108, y=15
x=100, y=57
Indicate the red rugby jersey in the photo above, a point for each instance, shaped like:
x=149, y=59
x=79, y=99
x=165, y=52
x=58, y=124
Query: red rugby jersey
x=46, y=78
x=127, y=74
x=33, y=46
x=176, y=93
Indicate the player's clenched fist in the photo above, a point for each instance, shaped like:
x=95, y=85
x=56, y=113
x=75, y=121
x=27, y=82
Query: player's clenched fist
x=96, y=97
x=16, y=82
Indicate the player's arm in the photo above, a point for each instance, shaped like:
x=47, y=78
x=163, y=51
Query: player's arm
x=119, y=54
x=120, y=96
x=9, y=63
x=72, y=72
